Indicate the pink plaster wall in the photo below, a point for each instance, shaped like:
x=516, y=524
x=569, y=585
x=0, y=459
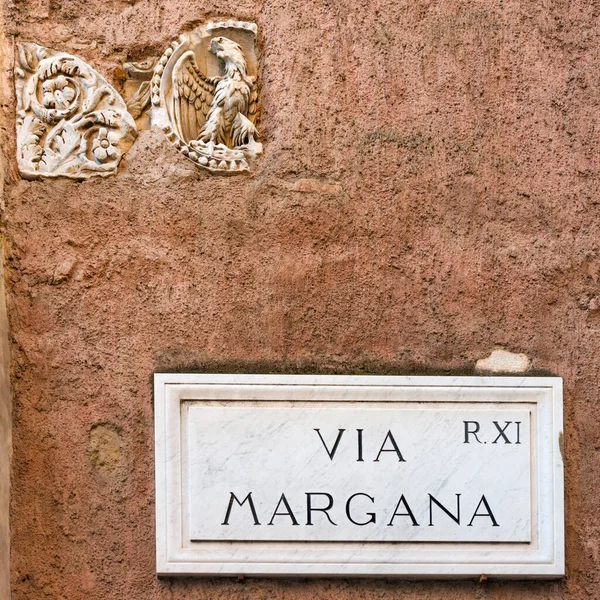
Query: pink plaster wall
x=428, y=191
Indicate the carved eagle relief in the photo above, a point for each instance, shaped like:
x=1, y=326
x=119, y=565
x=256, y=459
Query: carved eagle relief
x=204, y=95
x=215, y=110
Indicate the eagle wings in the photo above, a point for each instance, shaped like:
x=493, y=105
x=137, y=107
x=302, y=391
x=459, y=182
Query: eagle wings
x=222, y=110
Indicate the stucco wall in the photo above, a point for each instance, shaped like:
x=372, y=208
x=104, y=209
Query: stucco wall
x=5, y=446
x=5, y=393
x=428, y=191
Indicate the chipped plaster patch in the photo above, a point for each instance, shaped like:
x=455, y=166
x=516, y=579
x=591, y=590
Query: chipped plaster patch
x=502, y=361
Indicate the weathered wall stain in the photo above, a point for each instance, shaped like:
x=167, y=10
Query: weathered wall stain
x=105, y=450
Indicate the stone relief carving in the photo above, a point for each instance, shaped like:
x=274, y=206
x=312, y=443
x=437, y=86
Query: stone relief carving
x=205, y=96
x=70, y=121
x=137, y=90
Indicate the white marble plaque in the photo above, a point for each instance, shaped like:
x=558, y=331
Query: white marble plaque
x=380, y=476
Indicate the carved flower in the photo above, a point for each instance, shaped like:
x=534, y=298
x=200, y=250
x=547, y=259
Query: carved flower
x=104, y=147
x=57, y=93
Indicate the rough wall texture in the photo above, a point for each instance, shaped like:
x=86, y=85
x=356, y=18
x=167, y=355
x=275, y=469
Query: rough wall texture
x=429, y=190
x=5, y=447
x=5, y=395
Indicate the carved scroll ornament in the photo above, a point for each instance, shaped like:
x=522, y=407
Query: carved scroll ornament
x=70, y=121
x=205, y=96
x=138, y=78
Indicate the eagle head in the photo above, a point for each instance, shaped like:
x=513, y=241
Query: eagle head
x=229, y=52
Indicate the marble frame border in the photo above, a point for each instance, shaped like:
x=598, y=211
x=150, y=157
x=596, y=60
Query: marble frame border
x=543, y=558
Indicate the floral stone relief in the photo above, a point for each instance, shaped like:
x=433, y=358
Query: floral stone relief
x=204, y=95
x=70, y=121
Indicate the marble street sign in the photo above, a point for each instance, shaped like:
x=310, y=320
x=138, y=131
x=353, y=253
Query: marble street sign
x=379, y=476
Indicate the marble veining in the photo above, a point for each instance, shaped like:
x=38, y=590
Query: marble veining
x=380, y=476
